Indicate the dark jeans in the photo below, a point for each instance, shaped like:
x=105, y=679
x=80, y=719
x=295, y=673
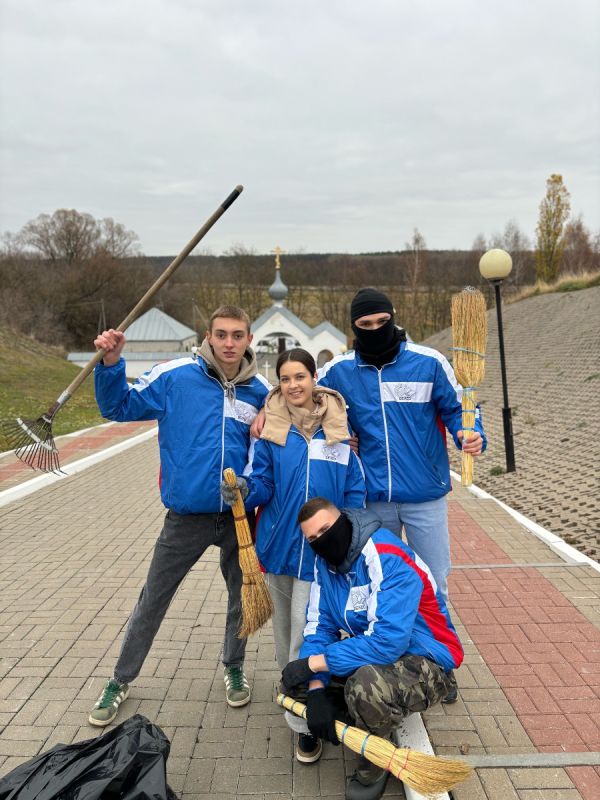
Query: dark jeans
x=181, y=543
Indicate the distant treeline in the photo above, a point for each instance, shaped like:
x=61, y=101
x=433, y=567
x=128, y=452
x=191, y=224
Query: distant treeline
x=67, y=275
x=62, y=302
x=437, y=268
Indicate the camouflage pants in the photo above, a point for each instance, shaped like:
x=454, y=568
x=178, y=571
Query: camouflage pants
x=380, y=697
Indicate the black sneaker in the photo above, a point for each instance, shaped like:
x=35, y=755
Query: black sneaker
x=452, y=693
x=309, y=748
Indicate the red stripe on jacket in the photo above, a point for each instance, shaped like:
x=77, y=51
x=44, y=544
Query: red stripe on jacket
x=429, y=607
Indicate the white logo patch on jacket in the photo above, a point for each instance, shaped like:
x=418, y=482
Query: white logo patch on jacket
x=358, y=598
x=320, y=450
x=406, y=391
x=242, y=412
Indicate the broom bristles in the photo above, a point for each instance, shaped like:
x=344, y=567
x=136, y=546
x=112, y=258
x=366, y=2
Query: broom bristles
x=428, y=775
x=257, y=603
x=469, y=338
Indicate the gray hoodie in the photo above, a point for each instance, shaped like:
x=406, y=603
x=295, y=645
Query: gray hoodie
x=364, y=524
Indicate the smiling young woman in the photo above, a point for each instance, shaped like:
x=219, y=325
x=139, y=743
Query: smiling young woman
x=297, y=378
x=303, y=452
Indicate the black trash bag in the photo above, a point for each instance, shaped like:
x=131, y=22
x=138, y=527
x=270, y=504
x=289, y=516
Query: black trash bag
x=127, y=763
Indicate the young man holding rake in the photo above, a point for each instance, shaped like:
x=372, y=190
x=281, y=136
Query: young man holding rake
x=204, y=408
x=400, y=643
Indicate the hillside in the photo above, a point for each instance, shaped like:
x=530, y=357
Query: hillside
x=32, y=375
x=552, y=345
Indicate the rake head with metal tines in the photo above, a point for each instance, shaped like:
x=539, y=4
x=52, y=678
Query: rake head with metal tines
x=33, y=442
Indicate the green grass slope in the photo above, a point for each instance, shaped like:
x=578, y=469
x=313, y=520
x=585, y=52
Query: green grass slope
x=32, y=375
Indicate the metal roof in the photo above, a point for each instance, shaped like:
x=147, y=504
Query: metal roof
x=294, y=320
x=156, y=326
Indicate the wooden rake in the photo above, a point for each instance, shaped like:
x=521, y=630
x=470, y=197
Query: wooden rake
x=32, y=439
x=428, y=775
x=257, y=603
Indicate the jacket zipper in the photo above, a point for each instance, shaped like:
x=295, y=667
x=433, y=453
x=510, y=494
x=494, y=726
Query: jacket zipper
x=387, y=443
x=222, y=428
x=348, y=580
x=305, y=499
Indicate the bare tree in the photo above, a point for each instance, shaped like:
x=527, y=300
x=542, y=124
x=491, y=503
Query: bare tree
x=67, y=235
x=515, y=242
x=417, y=258
x=578, y=253
x=72, y=237
x=117, y=240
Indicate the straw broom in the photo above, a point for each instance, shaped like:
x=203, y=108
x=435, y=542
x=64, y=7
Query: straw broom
x=469, y=338
x=428, y=775
x=257, y=604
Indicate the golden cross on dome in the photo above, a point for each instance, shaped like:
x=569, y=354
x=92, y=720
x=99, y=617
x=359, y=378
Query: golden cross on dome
x=278, y=252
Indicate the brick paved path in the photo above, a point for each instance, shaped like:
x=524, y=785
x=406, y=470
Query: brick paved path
x=73, y=557
x=552, y=346
x=72, y=447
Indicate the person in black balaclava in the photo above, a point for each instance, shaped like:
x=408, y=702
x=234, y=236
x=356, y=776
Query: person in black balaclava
x=401, y=397
x=377, y=337
x=400, y=641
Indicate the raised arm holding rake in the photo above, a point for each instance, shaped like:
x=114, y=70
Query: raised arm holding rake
x=204, y=408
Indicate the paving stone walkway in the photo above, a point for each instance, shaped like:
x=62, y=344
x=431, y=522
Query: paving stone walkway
x=74, y=555
x=552, y=344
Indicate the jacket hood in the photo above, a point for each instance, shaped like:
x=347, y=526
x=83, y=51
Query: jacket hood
x=330, y=414
x=364, y=524
x=248, y=368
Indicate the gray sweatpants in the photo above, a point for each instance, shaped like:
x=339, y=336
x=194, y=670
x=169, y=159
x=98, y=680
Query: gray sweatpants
x=290, y=599
x=181, y=543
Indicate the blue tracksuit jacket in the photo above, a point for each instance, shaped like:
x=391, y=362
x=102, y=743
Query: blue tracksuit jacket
x=394, y=411
x=200, y=430
x=282, y=479
x=385, y=598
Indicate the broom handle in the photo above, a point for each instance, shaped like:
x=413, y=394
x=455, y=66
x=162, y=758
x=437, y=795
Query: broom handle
x=341, y=728
x=141, y=305
x=242, y=527
x=469, y=403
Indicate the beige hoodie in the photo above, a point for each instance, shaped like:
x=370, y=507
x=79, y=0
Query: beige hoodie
x=330, y=414
x=248, y=368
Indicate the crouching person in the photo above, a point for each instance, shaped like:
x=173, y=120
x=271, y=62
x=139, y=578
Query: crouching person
x=400, y=642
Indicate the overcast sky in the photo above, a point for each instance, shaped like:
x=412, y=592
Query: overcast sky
x=349, y=122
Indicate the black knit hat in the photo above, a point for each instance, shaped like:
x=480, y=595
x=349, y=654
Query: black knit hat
x=370, y=301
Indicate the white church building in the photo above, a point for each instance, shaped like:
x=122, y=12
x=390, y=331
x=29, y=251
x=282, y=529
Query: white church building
x=155, y=336
x=279, y=329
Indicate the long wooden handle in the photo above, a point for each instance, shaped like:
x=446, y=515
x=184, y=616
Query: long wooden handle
x=158, y=283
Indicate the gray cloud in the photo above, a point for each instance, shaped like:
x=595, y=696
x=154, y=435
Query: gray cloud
x=348, y=123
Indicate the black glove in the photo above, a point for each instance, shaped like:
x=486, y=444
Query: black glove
x=296, y=673
x=229, y=494
x=320, y=716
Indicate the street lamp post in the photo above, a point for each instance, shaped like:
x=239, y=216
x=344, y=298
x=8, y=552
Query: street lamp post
x=495, y=266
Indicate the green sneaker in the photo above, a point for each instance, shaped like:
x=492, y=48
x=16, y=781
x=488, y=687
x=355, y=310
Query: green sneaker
x=237, y=687
x=107, y=707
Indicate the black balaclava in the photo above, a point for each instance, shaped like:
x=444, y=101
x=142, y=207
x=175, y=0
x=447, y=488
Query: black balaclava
x=334, y=543
x=376, y=347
